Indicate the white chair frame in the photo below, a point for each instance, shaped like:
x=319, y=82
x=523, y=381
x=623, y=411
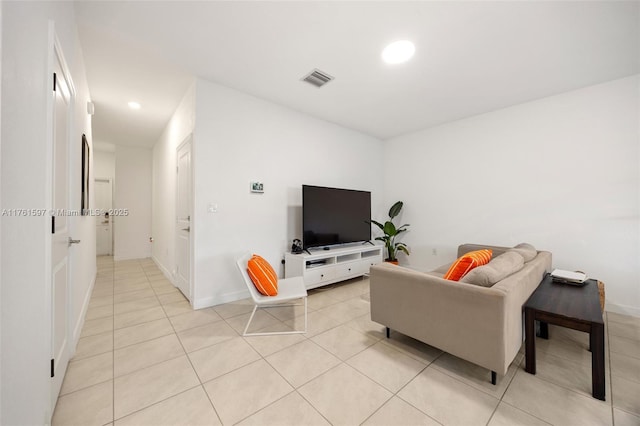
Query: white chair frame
x=289, y=289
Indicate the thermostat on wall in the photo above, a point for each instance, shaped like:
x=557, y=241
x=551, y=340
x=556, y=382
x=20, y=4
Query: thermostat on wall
x=257, y=187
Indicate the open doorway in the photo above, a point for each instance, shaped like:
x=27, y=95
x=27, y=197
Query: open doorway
x=104, y=222
x=104, y=161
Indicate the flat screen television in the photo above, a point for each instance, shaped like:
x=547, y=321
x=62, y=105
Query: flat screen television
x=334, y=216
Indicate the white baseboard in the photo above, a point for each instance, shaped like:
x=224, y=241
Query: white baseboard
x=622, y=309
x=168, y=275
x=207, y=302
x=131, y=256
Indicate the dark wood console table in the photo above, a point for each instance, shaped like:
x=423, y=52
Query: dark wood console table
x=576, y=307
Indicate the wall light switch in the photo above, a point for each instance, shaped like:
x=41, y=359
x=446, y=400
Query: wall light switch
x=212, y=208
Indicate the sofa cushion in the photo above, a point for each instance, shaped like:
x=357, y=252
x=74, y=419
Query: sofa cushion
x=496, y=270
x=263, y=275
x=527, y=251
x=466, y=263
x=442, y=269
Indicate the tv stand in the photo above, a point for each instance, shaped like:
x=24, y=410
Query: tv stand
x=321, y=267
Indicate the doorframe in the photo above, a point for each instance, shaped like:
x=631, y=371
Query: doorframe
x=55, y=52
x=111, y=217
x=192, y=235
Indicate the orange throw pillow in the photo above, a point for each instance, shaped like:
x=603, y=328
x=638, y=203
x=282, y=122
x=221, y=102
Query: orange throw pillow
x=263, y=276
x=467, y=262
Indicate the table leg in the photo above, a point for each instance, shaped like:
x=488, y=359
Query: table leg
x=530, y=340
x=596, y=341
x=544, y=330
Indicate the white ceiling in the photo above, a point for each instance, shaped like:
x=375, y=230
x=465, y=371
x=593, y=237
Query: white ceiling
x=471, y=57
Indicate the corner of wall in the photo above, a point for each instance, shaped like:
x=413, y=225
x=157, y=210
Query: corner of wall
x=286, y=140
x=179, y=127
x=622, y=309
x=1, y=204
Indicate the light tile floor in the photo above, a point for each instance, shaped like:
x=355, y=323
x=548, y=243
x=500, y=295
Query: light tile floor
x=146, y=358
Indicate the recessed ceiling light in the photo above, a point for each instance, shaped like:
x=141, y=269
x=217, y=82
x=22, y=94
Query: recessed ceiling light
x=398, y=52
x=134, y=105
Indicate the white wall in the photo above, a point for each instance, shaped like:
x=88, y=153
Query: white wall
x=164, y=182
x=1, y=374
x=83, y=255
x=560, y=173
x=104, y=164
x=238, y=139
x=132, y=191
x=25, y=383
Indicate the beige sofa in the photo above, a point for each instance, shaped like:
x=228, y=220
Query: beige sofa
x=482, y=325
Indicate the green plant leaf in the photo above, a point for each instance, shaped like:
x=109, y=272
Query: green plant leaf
x=395, y=209
x=403, y=248
x=390, y=232
x=390, y=229
x=378, y=224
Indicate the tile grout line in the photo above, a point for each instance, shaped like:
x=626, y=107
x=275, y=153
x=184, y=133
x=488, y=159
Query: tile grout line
x=296, y=389
x=393, y=394
x=506, y=389
x=564, y=387
x=341, y=362
x=113, y=347
x=430, y=364
x=262, y=357
x=526, y=412
x=155, y=295
x=186, y=354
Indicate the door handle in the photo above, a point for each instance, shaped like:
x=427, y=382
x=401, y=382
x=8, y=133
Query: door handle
x=72, y=241
x=188, y=229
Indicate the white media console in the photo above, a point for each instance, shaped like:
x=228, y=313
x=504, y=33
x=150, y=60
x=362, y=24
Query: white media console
x=323, y=267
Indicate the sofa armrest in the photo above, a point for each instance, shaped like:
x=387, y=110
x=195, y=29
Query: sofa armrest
x=463, y=319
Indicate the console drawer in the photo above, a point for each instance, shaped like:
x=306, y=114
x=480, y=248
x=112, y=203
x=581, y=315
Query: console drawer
x=319, y=275
x=351, y=269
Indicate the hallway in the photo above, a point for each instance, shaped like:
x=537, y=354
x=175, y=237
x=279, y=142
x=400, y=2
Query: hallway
x=130, y=324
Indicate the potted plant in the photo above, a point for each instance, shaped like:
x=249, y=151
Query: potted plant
x=390, y=232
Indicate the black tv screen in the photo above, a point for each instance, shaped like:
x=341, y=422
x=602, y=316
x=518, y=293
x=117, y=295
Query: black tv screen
x=334, y=216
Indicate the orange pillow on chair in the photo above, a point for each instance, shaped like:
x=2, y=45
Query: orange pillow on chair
x=263, y=276
x=467, y=262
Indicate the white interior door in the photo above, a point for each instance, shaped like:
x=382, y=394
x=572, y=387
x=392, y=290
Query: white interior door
x=183, y=218
x=60, y=241
x=104, y=231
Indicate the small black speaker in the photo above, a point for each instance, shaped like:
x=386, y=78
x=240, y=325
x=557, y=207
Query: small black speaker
x=296, y=247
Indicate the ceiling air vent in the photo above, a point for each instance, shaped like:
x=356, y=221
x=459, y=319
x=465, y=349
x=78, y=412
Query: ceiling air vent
x=317, y=78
